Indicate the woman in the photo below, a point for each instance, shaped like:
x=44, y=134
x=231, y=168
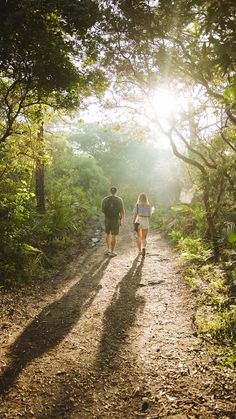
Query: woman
x=142, y=212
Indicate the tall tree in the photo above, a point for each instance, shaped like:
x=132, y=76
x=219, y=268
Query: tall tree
x=47, y=56
x=39, y=175
x=185, y=45
x=48, y=53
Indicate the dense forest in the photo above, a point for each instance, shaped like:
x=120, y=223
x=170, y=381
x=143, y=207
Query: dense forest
x=162, y=75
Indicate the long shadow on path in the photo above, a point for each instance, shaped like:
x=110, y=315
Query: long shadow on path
x=120, y=315
x=53, y=323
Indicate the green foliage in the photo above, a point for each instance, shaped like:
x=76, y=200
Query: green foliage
x=65, y=216
x=221, y=325
x=36, y=41
x=194, y=250
x=49, y=54
x=129, y=157
x=190, y=49
x=78, y=174
x=231, y=237
x=214, y=284
x=159, y=217
x=182, y=221
x=176, y=236
x=74, y=187
x=216, y=311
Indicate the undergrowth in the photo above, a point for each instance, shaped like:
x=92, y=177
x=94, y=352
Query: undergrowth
x=213, y=283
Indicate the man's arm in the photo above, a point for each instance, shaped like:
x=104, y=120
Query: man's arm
x=103, y=205
x=122, y=212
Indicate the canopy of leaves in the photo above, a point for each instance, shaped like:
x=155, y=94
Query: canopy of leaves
x=39, y=38
x=48, y=53
x=192, y=41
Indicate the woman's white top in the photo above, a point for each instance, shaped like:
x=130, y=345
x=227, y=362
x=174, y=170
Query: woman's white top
x=142, y=215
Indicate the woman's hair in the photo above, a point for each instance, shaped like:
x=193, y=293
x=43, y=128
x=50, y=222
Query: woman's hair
x=143, y=199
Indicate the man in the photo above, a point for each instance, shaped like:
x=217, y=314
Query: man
x=113, y=208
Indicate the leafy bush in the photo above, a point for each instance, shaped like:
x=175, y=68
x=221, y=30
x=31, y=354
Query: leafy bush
x=159, y=217
x=220, y=325
x=176, y=236
x=231, y=238
x=216, y=312
x=73, y=189
x=194, y=250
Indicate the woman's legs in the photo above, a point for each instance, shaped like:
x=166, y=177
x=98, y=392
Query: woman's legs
x=139, y=239
x=144, y=240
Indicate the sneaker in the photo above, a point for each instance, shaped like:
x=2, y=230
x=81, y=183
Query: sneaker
x=107, y=252
x=143, y=252
x=112, y=254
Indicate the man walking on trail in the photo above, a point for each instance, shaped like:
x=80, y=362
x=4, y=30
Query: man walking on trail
x=113, y=208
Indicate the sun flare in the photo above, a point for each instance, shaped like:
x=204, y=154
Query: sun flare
x=164, y=103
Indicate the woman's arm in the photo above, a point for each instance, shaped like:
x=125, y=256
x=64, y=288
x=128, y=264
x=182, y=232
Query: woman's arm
x=135, y=213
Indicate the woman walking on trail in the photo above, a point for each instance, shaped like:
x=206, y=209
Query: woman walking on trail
x=142, y=212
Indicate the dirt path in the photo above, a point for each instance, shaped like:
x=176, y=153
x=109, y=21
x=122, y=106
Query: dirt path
x=116, y=340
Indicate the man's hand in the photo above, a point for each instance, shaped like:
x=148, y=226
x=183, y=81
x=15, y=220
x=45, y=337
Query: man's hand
x=122, y=220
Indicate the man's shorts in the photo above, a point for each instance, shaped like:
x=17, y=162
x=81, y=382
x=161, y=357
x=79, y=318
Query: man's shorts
x=112, y=226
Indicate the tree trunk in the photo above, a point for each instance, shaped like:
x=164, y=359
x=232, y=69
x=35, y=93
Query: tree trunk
x=211, y=224
x=39, y=176
x=209, y=214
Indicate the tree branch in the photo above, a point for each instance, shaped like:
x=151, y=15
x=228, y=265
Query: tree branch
x=193, y=150
x=227, y=141
x=185, y=158
x=231, y=116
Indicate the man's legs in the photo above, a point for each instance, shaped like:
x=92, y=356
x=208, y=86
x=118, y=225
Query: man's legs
x=108, y=235
x=108, y=241
x=112, y=230
x=113, y=242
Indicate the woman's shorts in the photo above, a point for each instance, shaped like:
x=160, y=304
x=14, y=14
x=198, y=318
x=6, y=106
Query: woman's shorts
x=144, y=222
